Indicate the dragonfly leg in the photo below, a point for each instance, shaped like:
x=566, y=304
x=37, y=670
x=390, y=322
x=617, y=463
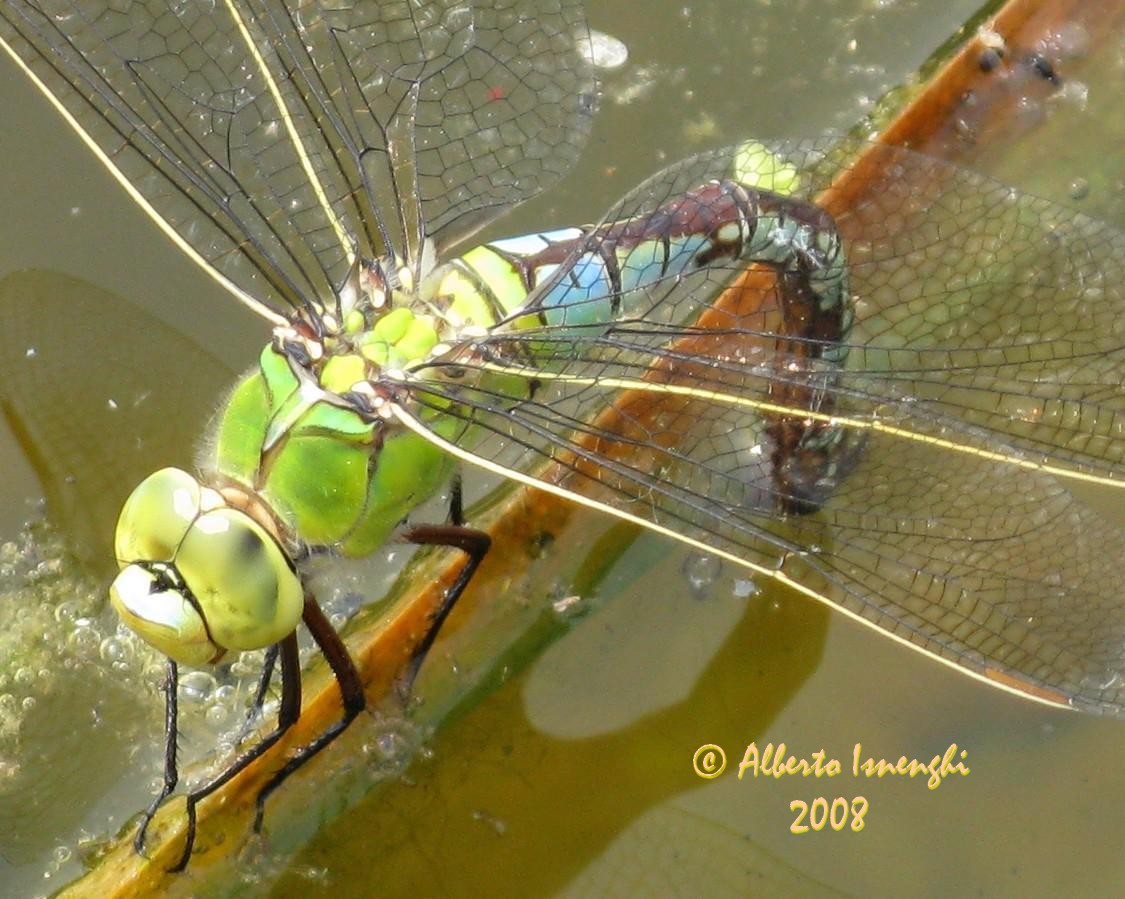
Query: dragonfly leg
x=475, y=545
x=351, y=692
x=171, y=771
x=288, y=711
x=456, y=502
x=269, y=662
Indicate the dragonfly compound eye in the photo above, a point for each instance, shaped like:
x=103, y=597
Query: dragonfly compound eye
x=154, y=608
x=199, y=578
x=156, y=516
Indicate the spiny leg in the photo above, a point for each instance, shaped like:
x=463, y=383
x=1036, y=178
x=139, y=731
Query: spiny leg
x=351, y=693
x=456, y=501
x=472, y=542
x=288, y=711
x=171, y=771
x=269, y=662
x=475, y=544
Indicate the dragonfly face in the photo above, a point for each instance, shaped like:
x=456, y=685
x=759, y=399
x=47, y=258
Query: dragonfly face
x=199, y=577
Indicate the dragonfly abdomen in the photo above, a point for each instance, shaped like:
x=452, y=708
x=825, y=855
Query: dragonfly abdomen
x=584, y=277
x=592, y=283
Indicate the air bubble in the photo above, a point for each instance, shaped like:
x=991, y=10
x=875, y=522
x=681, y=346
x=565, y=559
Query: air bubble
x=222, y=707
x=115, y=651
x=46, y=569
x=217, y=715
x=387, y=746
x=225, y=694
x=153, y=668
x=197, y=686
x=84, y=642
x=701, y=572
x=247, y=664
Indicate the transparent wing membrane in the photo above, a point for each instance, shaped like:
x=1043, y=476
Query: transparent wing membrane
x=276, y=141
x=969, y=503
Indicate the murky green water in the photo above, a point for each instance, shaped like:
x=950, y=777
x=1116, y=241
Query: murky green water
x=575, y=775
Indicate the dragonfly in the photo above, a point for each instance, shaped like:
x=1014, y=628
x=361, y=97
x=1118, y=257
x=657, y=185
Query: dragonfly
x=902, y=405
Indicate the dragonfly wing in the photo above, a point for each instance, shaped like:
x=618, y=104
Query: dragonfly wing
x=967, y=505
x=276, y=141
x=999, y=310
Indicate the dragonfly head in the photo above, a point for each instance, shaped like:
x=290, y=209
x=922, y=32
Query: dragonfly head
x=199, y=576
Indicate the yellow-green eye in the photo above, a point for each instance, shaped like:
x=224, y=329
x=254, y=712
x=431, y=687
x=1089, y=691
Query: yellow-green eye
x=199, y=578
x=162, y=616
x=156, y=516
x=241, y=579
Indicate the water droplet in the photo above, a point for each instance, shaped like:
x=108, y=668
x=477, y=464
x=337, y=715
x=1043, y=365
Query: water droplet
x=311, y=873
x=569, y=607
x=497, y=824
x=744, y=588
x=604, y=51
